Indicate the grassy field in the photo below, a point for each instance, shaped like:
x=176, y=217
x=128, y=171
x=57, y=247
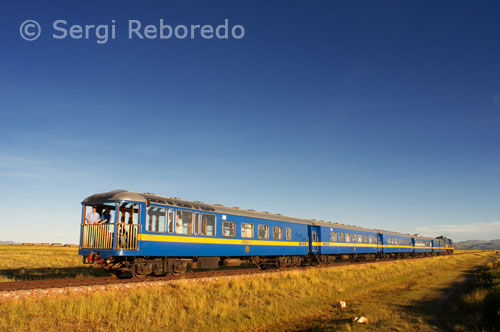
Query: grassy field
x=393, y=296
x=42, y=262
x=477, y=306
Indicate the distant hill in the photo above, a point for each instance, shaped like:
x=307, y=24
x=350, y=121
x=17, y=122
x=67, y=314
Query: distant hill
x=478, y=244
x=8, y=242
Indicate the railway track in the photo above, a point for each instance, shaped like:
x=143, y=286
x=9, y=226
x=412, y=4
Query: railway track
x=79, y=282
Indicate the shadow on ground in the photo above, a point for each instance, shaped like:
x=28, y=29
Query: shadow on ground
x=431, y=309
x=425, y=314
x=51, y=273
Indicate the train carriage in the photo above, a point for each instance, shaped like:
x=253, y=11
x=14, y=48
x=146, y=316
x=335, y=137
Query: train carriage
x=343, y=239
x=394, y=243
x=148, y=234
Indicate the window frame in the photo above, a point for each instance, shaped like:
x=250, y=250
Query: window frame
x=148, y=215
x=280, y=232
x=170, y=230
x=341, y=237
x=215, y=224
x=224, y=223
x=192, y=221
x=258, y=232
x=196, y=223
x=242, y=229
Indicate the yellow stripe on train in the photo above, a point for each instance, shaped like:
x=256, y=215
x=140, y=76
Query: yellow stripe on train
x=205, y=240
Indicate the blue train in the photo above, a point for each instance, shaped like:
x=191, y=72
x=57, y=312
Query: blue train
x=145, y=234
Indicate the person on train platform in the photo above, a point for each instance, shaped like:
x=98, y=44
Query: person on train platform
x=178, y=224
x=93, y=217
x=106, y=217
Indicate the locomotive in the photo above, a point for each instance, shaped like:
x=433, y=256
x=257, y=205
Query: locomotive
x=146, y=234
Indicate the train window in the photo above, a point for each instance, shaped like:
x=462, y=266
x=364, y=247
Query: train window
x=288, y=233
x=156, y=219
x=208, y=224
x=360, y=238
x=353, y=238
x=370, y=239
x=170, y=220
x=229, y=229
x=196, y=223
x=184, y=222
x=333, y=236
x=365, y=239
x=106, y=211
x=129, y=213
x=263, y=232
x=347, y=237
x=277, y=233
x=247, y=230
x=341, y=237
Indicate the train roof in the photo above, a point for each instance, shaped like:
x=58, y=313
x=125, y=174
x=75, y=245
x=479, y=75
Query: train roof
x=124, y=195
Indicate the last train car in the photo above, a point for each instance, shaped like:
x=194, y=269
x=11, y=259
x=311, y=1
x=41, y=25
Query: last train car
x=149, y=234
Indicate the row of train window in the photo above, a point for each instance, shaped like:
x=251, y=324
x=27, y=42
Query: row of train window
x=400, y=242
x=188, y=223
x=348, y=237
x=423, y=243
x=372, y=239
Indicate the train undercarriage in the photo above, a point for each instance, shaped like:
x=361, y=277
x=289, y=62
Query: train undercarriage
x=140, y=267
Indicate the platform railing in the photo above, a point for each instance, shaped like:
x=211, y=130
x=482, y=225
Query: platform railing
x=127, y=236
x=97, y=236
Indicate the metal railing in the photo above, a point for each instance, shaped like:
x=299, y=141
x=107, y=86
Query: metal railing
x=101, y=236
x=127, y=236
x=97, y=236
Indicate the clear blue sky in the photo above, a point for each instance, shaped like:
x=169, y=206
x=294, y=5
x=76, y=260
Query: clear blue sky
x=379, y=114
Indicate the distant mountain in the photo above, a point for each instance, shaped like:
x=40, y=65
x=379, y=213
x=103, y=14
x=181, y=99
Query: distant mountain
x=8, y=242
x=478, y=244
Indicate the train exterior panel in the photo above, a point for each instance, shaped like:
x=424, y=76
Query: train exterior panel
x=145, y=233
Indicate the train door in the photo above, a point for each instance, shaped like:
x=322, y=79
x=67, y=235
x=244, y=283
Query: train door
x=380, y=243
x=314, y=238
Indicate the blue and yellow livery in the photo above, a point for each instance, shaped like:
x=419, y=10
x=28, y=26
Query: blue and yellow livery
x=144, y=234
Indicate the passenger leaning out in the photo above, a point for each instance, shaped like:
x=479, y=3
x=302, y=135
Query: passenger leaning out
x=92, y=217
x=106, y=217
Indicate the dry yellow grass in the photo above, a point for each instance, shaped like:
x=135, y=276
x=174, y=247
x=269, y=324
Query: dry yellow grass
x=477, y=306
x=384, y=293
x=42, y=262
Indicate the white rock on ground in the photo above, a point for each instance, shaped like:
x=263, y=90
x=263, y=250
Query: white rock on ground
x=360, y=320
